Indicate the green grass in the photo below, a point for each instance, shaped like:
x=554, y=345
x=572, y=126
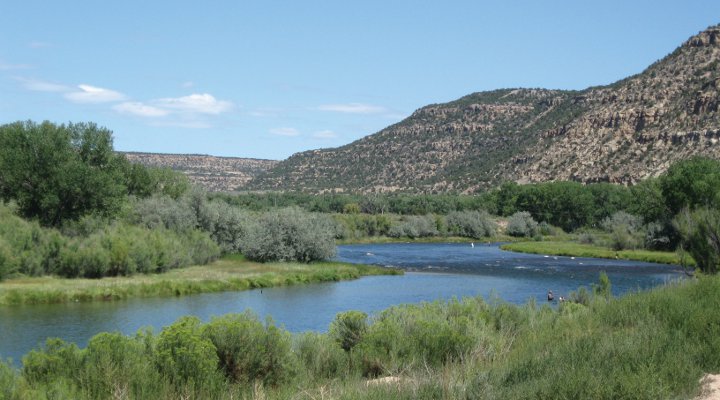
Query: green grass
x=574, y=249
x=229, y=273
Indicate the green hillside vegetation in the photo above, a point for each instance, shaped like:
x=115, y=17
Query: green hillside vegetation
x=648, y=345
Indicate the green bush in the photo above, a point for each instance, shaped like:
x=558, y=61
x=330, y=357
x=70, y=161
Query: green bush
x=348, y=328
x=522, y=224
x=320, y=356
x=700, y=236
x=290, y=234
x=227, y=225
x=113, y=364
x=8, y=262
x=249, y=351
x=472, y=224
x=185, y=356
x=415, y=226
x=164, y=212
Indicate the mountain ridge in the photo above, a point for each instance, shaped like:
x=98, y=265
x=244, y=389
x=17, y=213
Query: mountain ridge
x=621, y=133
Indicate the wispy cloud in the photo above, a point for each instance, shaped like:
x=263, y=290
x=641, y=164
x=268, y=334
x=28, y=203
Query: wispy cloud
x=93, y=94
x=285, y=132
x=188, y=84
x=41, y=86
x=195, y=103
x=140, y=109
x=4, y=66
x=325, y=134
x=353, y=108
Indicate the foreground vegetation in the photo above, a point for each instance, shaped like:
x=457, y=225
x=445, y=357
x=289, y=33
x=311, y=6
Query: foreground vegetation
x=227, y=273
x=647, y=345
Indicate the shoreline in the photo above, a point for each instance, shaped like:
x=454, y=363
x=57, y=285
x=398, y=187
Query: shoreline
x=574, y=249
x=230, y=273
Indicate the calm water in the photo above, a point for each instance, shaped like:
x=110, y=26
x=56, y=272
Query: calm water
x=434, y=271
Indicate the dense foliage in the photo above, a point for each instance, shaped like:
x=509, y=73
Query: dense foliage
x=57, y=173
x=649, y=345
x=290, y=234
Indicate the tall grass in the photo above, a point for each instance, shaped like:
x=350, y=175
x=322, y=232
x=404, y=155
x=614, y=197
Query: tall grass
x=653, y=344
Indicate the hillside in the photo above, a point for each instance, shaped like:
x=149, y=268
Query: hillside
x=620, y=133
x=213, y=173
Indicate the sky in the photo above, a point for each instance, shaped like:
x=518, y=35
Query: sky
x=266, y=79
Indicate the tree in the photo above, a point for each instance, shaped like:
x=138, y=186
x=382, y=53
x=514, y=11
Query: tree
x=60, y=172
x=700, y=236
x=691, y=183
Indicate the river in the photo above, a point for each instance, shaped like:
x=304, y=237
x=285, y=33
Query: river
x=433, y=271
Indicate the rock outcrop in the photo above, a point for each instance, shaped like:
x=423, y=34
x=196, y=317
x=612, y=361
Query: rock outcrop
x=216, y=174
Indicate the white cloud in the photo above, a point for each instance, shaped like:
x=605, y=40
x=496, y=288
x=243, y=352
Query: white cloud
x=195, y=103
x=325, y=134
x=140, y=109
x=353, y=108
x=92, y=94
x=285, y=132
x=41, y=86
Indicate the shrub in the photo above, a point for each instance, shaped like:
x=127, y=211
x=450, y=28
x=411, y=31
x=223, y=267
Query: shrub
x=700, y=236
x=659, y=236
x=626, y=231
x=587, y=238
x=415, y=226
x=473, y=224
x=8, y=262
x=164, y=212
x=249, y=351
x=228, y=226
x=290, y=234
x=621, y=218
x=348, y=328
x=56, y=360
x=522, y=224
x=114, y=363
x=185, y=356
x=320, y=356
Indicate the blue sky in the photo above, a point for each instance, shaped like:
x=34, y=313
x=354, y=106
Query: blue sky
x=267, y=79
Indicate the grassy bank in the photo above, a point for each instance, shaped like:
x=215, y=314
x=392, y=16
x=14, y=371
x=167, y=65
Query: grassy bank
x=229, y=273
x=430, y=239
x=646, y=345
x=574, y=249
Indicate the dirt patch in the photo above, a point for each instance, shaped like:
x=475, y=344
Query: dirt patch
x=710, y=387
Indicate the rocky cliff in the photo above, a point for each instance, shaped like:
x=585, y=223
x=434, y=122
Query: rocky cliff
x=213, y=173
x=621, y=133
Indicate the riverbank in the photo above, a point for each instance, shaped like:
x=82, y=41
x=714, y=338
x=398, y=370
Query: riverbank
x=429, y=239
x=231, y=273
x=650, y=344
x=574, y=249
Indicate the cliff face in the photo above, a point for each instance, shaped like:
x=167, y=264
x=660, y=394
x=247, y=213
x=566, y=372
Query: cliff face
x=621, y=133
x=217, y=174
